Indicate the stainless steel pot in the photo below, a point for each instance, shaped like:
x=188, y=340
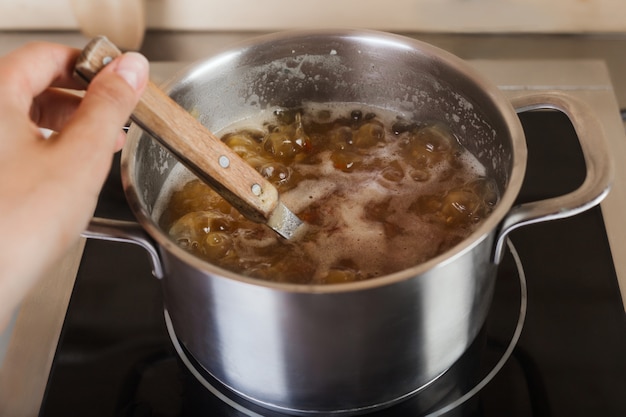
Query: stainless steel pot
x=350, y=347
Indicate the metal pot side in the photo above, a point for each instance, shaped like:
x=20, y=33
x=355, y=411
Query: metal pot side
x=350, y=346
x=327, y=352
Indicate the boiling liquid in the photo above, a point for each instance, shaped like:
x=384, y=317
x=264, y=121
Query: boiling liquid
x=379, y=193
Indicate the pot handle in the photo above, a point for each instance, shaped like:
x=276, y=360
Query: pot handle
x=597, y=160
x=128, y=232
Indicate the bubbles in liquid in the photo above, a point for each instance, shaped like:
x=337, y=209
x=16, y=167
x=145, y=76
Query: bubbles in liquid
x=459, y=207
x=380, y=194
x=286, y=142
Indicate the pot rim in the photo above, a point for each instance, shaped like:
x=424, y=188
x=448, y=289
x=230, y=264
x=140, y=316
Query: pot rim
x=489, y=226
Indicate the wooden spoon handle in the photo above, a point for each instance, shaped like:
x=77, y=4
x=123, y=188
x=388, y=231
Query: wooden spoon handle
x=189, y=141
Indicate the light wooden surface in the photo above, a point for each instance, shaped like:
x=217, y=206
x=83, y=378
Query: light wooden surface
x=553, y=16
x=26, y=366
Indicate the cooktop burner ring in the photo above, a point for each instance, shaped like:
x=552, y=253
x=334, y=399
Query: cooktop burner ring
x=438, y=411
x=511, y=346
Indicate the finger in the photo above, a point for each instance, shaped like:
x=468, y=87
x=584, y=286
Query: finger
x=53, y=108
x=119, y=143
x=28, y=71
x=92, y=133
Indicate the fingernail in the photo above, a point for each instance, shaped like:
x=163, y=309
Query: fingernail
x=133, y=68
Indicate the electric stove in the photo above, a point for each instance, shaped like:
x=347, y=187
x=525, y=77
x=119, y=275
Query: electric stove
x=554, y=343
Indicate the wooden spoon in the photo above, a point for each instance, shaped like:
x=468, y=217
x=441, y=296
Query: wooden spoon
x=197, y=148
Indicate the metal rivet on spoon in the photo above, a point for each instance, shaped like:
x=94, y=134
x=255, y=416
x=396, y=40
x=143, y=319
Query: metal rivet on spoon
x=224, y=161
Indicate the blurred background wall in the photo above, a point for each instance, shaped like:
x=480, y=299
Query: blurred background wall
x=573, y=16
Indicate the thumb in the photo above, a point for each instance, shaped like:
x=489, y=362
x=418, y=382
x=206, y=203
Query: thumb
x=90, y=136
x=112, y=95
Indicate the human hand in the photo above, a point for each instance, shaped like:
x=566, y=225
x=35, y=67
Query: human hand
x=49, y=187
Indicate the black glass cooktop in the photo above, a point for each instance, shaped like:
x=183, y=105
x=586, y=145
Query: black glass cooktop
x=115, y=357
